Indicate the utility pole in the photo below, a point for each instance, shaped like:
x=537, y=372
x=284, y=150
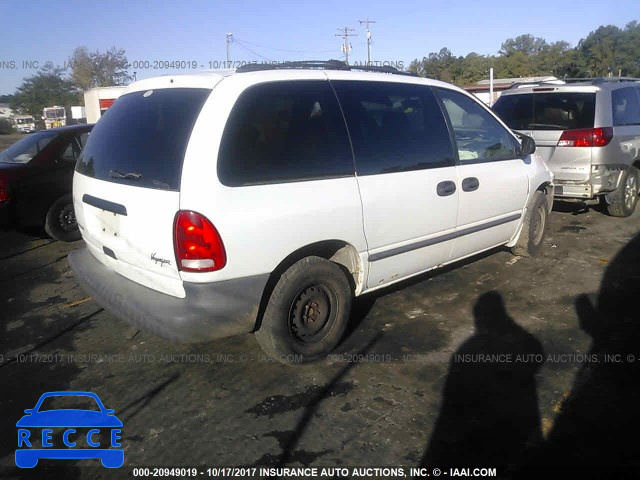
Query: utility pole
x=229, y=40
x=346, y=46
x=366, y=23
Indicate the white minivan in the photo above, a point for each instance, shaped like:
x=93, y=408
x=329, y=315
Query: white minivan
x=263, y=200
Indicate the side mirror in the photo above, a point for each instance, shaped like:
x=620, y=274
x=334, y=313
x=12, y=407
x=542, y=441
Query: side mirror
x=29, y=411
x=527, y=145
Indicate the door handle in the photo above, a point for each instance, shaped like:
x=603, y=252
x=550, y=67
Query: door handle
x=446, y=188
x=470, y=184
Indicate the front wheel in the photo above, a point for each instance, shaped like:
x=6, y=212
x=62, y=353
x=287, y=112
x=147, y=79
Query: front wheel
x=622, y=202
x=307, y=313
x=533, y=227
x=61, y=223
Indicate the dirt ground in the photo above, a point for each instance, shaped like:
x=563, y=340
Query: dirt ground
x=496, y=362
x=8, y=140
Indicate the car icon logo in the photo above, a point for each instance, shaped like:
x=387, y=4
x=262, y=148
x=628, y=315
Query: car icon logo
x=85, y=433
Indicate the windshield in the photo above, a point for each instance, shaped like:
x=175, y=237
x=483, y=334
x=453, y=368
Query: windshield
x=547, y=111
x=27, y=148
x=22, y=121
x=57, y=113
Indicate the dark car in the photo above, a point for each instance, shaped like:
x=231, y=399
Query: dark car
x=36, y=178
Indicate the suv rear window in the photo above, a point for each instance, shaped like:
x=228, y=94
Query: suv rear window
x=547, y=111
x=142, y=138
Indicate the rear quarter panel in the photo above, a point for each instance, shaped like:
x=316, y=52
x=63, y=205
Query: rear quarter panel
x=261, y=225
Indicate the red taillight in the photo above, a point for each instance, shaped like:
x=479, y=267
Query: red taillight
x=197, y=243
x=587, y=137
x=4, y=194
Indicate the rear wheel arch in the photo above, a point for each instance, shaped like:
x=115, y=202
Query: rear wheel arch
x=339, y=252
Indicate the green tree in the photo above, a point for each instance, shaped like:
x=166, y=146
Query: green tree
x=95, y=69
x=526, y=44
x=600, y=51
x=554, y=59
x=46, y=88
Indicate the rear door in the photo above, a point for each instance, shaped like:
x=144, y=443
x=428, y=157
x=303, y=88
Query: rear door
x=126, y=186
x=406, y=175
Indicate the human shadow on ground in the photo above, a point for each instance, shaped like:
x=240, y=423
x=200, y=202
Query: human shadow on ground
x=489, y=413
x=598, y=424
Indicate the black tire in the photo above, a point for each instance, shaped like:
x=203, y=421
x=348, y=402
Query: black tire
x=622, y=202
x=61, y=223
x=534, y=227
x=311, y=290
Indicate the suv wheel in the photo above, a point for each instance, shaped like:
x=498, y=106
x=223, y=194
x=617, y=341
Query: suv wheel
x=307, y=312
x=622, y=202
x=61, y=222
x=533, y=227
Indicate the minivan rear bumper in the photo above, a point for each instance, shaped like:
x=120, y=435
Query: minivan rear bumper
x=209, y=311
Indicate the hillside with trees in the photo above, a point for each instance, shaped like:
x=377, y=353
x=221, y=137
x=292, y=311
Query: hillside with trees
x=607, y=50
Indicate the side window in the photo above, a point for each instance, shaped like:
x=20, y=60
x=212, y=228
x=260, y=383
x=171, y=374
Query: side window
x=479, y=136
x=72, y=151
x=284, y=131
x=394, y=127
x=626, y=106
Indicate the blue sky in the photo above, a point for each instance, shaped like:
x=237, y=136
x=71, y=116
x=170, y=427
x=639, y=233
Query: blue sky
x=195, y=30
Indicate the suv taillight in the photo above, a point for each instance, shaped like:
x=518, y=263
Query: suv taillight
x=587, y=137
x=197, y=243
x=4, y=193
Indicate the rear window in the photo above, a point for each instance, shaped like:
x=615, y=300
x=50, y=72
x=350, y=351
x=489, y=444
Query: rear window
x=547, y=111
x=142, y=138
x=24, y=150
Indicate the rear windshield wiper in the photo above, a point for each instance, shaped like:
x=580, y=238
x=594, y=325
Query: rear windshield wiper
x=130, y=175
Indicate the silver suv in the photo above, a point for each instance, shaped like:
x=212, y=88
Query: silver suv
x=588, y=133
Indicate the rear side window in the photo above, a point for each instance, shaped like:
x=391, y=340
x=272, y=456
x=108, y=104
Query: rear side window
x=285, y=131
x=626, y=106
x=547, y=111
x=394, y=127
x=142, y=138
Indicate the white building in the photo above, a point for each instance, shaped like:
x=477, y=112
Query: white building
x=5, y=111
x=481, y=89
x=98, y=100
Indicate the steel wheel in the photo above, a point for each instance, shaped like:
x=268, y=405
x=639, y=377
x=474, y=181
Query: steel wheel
x=312, y=313
x=538, y=220
x=67, y=218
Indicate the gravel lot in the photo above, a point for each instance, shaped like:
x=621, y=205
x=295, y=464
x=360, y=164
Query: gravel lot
x=482, y=364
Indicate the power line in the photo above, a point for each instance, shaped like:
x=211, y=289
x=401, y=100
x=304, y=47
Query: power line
x=286, y=50
x=248, y=49
x=346, y=46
